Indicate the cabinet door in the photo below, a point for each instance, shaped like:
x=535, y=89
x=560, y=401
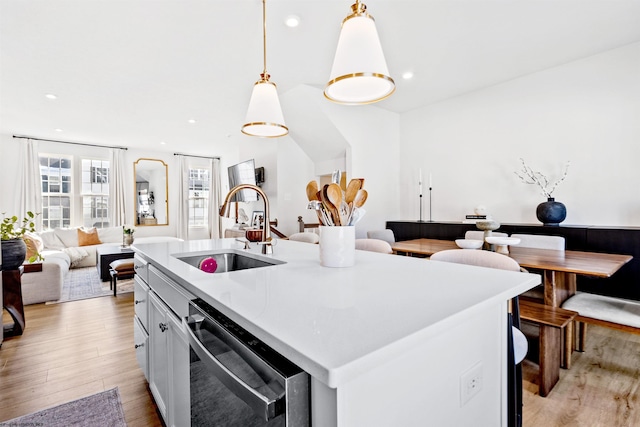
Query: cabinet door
x=179, y=374
x=141, y=301
x=158, y=353
x=141, y=343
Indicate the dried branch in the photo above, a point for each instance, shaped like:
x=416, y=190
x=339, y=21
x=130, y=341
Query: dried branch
x=529, y=176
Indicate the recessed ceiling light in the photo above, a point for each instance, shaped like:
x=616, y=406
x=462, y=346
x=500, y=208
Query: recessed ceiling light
x=292, y=21
x=162, y=143
x=51, y=96
x=191, y=121
x=58, y=130
x=407, y=75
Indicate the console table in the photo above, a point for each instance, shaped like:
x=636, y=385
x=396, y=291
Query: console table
x=612, y=240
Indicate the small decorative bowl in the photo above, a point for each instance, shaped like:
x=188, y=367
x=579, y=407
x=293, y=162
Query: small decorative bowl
x=253, y=235
x=469, y=243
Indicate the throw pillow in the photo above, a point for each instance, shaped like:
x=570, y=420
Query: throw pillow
x=75, y=255
x=87, y=237
x=69, y=236
x=51, y=240
x=34, y=244
x=110, y=234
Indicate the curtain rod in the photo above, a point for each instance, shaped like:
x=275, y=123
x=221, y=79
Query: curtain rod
x=67, y=142
x=199, y=157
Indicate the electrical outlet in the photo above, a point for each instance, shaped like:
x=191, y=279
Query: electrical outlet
x=470, y=383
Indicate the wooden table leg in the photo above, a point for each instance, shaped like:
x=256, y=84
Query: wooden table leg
x=549, y=358
x=12, y=302
x=558, y=286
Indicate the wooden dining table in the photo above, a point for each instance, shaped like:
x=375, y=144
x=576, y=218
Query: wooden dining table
x=558, y=268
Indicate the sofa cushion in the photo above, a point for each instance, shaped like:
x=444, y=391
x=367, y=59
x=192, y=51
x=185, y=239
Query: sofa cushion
x=56, y=256
x=88, y=236
x=34, y=244
x=110, y=234
x=51, y=240
x=76, y=255
x=69, y=236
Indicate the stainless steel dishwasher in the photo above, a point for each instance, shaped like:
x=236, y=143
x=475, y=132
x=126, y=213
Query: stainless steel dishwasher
x=237, y=380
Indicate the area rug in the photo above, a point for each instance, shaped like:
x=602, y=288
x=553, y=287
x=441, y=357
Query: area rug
x=84, y=283
x=102, y=409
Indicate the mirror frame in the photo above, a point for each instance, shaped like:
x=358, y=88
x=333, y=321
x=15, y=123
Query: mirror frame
x=135, y=192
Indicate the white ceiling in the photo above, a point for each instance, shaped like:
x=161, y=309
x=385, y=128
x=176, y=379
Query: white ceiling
x=134, y=72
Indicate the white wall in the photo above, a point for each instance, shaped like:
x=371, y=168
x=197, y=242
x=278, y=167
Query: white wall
x=586, y=111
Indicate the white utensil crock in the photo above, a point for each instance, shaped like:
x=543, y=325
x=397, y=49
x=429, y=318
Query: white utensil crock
x=337, y=246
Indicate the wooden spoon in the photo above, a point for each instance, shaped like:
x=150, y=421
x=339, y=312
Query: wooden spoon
x=335, y=216
x=334, y=193
x=312, y=191
x=361, y=197
x=352, y=190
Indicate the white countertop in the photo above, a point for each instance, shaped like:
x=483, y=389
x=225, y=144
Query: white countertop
x=336, y=323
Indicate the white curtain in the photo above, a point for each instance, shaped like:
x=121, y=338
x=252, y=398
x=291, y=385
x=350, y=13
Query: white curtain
x=117, y=210
x=30, y=183
x=215, y=200
x=183, y=198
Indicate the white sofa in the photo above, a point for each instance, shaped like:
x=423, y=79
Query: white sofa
x=61, y=251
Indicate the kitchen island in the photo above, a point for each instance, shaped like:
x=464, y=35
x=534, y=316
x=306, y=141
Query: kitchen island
x=389, y=341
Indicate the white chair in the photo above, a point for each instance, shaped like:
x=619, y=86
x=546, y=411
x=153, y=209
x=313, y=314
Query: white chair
x=374, y=245
x=490, y=260
x=537, y=241
x=386, y=235
x=305, y=237
x=479, y=235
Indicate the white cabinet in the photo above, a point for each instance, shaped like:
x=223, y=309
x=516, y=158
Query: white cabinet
x=159, y=353
x=141, y=318
x=168, y=349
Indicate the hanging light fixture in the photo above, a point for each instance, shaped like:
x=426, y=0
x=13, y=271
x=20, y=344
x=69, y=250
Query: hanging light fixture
x=264, y=116
x=359, y=74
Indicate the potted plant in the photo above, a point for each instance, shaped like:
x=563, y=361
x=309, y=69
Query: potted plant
x=127, y=235
x=14, y=248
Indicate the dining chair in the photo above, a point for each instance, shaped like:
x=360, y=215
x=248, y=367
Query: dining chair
x=518, y=350
x=538, y=241
x=305, y=237
x=479, y=235
x=374, y=245
x=386, y=235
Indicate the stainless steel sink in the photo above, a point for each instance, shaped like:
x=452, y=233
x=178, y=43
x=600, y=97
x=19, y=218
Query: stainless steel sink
x=229, y=261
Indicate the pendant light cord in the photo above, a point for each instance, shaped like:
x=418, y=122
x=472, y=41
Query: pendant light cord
x=264, y=36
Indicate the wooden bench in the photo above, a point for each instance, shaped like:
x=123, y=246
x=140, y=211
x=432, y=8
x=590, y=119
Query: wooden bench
x=552, y=322
x=611, y=312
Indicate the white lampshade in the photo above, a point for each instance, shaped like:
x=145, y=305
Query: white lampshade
x=264, y=116
x=359, y=74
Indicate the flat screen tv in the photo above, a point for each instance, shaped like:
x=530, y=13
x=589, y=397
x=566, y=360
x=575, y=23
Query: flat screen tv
x=243, y=173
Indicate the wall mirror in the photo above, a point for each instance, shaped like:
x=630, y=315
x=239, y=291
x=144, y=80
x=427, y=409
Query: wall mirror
x=151, y=192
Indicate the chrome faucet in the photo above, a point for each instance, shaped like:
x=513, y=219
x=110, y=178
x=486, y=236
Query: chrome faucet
x=267, y=247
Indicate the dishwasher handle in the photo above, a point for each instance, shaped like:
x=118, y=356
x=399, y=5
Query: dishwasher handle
x=262, y=405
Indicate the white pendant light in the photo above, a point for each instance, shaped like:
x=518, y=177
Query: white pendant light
x=264, y=116
x=359, y=74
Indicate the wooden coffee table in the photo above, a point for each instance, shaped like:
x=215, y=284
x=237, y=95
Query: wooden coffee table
x=106, y=254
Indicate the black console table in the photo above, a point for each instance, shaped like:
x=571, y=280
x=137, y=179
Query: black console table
x=614, y=240
x=106, y=254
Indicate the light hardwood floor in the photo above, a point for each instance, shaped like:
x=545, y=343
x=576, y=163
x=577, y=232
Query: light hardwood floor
x=78, y=348
x=72, y=350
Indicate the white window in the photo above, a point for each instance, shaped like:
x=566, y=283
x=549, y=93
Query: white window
x=198, y=197
x=55, y=173
x=95, y=193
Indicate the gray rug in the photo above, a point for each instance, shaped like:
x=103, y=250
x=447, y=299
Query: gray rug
x=84, y=283
x=102, y=409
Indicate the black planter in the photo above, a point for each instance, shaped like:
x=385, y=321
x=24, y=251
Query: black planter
x=551, y=212
x=13, y=253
